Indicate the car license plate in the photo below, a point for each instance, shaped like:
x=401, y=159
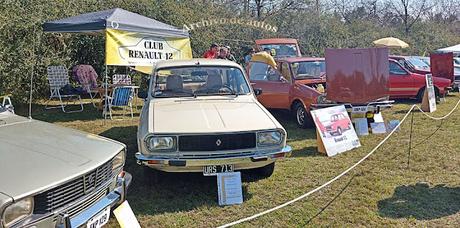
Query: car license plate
x=100, y=219
x=212, y=170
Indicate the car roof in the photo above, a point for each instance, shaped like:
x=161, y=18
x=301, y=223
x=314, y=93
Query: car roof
x=300, y=59
x=276, y=41
x=195, y=62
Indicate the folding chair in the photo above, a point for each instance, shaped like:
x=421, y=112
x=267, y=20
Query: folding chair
x=58, y=77
x=122, y=96
x=86, y=76
x=121, y=79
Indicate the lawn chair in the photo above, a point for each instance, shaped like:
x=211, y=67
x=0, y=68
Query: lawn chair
x=122, y=96
x=58, y=78
x=121, y=79
x=86, y=76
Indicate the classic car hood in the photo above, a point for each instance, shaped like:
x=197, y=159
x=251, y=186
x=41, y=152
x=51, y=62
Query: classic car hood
x=209, y=114
x=36, y=155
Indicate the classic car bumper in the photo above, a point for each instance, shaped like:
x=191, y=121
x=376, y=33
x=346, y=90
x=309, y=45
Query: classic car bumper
x=112, y=199
x=196, y=165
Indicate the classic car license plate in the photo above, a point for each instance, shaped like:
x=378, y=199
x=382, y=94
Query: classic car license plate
x=212, y=170
x=100, y=219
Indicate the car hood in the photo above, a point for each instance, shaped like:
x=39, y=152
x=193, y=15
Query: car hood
x=36, y=155
x=209, y=114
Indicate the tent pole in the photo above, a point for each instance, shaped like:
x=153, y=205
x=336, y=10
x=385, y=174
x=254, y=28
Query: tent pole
x=106, y=93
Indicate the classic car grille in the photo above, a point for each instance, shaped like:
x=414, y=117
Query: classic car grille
x=217, y=142
x=67, y=193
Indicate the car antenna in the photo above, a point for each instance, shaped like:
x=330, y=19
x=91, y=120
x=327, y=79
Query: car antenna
x=32, y=74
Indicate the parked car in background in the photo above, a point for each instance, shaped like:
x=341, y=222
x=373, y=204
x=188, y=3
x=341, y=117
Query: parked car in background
x=406, y=84
x=201, y=115
x=291, y=86
x=55, y=176
x=412, y=63
x=279, y=47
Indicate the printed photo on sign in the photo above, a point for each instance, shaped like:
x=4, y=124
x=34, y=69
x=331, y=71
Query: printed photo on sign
x=335, y=129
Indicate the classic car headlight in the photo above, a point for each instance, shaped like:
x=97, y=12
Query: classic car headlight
x=161, y=143
x=18, y=211
x=269, y=138
x=118, y=160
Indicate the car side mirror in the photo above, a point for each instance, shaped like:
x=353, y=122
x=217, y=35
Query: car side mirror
x=142, y=94
x=257, y=91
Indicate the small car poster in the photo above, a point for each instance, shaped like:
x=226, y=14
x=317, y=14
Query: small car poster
x=335, y=130
x=378, y=128
x=429, y=96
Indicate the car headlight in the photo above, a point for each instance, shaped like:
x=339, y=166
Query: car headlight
x=269, y=138
x=18, y=210
x=119, y=160
x=161, y=143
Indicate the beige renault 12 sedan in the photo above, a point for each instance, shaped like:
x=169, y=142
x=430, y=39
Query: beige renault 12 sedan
x=201, y=115
x=54, y=176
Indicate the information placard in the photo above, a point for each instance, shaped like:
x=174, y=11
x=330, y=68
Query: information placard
x=125, y=216
x=429, y=96
x=335, y=133
x=229, y=188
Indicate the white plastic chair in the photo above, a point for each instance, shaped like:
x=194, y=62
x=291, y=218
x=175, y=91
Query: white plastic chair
x=58, y=77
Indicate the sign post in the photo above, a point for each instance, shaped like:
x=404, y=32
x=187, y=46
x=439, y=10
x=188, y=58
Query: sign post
x=429, y=96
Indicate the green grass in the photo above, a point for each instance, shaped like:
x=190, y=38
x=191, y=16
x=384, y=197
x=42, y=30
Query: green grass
x=383, y=191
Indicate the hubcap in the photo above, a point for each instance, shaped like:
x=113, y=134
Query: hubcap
x=300, y=116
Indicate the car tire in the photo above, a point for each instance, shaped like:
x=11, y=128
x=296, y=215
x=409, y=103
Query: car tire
x=301, y=116
x=151, y=176
x=420, y=94
x=265, y=171
x=339, y=131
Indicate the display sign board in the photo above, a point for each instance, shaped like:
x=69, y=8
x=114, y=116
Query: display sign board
x=335, y=132
x=429, y=96
x=125, y=216
x=134, y=49
x=357, y=75
x=229, y=188
x=378, y=128
x=392, y=124
x=361, y=126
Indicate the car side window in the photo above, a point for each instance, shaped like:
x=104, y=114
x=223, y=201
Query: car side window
x=263, y=72
x=285, y=71
x=396, y=69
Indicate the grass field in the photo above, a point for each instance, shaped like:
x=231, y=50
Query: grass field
x=383, y=191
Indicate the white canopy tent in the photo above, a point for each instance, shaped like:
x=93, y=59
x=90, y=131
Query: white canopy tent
x=455, y=49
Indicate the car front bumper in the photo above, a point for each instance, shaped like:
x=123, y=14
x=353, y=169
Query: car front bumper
x=63, y=220
x=196, y=165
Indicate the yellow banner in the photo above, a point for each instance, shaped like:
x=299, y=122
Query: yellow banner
x=124, y=48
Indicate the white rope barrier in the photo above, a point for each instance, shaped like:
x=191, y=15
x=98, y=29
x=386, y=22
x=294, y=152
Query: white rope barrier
x=343, y=173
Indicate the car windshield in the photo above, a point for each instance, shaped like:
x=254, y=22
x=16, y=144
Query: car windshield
x=308, y=69
x=281, y=50
x=3, y=108
x=418, y=64
x=199, y=81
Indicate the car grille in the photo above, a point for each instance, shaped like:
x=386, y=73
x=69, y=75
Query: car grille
x=71, y=191
x=217, y=142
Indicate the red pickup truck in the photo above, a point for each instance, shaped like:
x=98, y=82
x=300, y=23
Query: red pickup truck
x=406, y=84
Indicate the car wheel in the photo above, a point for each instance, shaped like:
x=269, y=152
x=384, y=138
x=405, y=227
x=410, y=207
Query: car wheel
x=265, y=171
x=151, y=176
x=339, y=131
x=420, y=94
x=302, y=117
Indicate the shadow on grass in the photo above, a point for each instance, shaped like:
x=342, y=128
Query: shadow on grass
x=422, y=202
x=311, y=151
